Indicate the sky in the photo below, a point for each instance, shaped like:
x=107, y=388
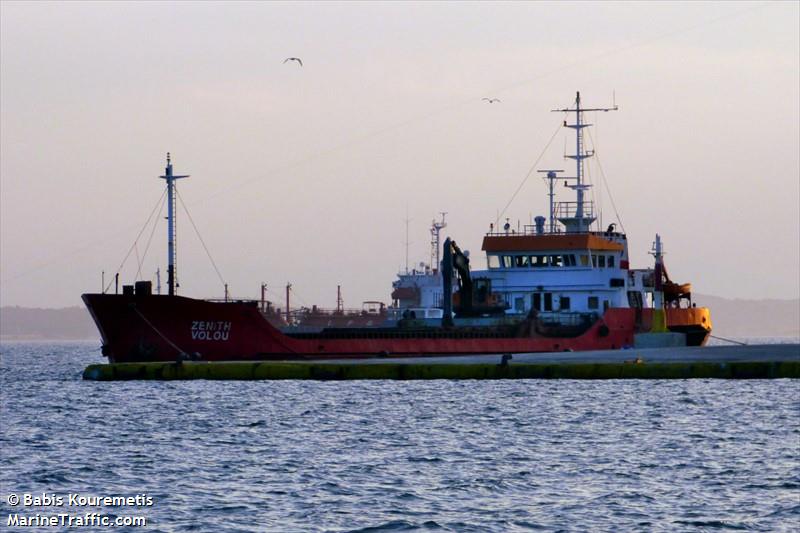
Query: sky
x=309, y=174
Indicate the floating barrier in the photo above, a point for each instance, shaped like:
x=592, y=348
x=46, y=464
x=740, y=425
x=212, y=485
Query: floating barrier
x=698, y=363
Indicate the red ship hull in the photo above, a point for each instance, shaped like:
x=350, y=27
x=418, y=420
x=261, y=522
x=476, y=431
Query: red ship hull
x=167, y=328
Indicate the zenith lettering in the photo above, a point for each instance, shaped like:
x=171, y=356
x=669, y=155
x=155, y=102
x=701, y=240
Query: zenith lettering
x=214, y=330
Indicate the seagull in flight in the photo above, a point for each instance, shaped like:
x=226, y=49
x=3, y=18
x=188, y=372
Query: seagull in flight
x=492, y=100
x=294, y=59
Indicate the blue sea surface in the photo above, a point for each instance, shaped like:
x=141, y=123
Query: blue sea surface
x=370, y=456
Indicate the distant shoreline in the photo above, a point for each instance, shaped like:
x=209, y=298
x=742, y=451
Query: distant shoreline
x=42, y=340
x=731, y=318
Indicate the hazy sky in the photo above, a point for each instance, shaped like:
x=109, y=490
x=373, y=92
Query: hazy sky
x=304, y=174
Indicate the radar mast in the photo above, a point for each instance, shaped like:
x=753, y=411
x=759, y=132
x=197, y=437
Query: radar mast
x=578, y=216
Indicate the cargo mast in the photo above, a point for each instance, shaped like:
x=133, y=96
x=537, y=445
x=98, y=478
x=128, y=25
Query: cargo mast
x=172, y=255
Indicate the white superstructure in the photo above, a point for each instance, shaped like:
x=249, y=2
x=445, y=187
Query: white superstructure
x=563, y=271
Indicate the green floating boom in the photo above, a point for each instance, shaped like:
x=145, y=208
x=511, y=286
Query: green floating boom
x=407, y=371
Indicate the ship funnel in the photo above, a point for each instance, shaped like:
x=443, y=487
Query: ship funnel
x=539, y=221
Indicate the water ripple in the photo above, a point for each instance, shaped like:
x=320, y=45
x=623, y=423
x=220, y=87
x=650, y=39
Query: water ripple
x=697, y=455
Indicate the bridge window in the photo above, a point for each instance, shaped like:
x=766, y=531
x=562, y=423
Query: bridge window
x=610, y=261
x=569, y=260
x=594, y=261
x=494, y=261
x=563, y=303
x=594, y=302
x=521, y=261
x=601, y=261
x=584, y=260
x=540, y=261
x=555, y=260
x=507, y=261
x=548, y=301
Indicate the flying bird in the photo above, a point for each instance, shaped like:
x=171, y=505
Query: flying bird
x=492, y=100
x=294, y=59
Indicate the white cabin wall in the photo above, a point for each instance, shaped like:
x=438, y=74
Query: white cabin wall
x=577, y=283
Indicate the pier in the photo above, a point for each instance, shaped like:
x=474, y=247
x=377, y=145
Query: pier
x=766, y=361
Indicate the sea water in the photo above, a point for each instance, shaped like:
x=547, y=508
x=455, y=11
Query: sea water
x=628, y=455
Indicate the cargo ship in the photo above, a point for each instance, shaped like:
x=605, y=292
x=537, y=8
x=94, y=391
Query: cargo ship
x=555, y=285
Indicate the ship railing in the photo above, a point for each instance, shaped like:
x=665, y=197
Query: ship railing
x=570, y=209
x=230, y=299
x=303, y=311
x=319, y=311
x=568, y=318
x=398, y=313
x=531, y=230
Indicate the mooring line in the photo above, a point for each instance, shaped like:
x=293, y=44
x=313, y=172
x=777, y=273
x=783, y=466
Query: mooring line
x=728, y=340
x=180, y=352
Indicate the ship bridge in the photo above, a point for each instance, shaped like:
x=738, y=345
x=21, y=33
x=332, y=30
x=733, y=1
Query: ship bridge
x=549, y=272
x=539, y=249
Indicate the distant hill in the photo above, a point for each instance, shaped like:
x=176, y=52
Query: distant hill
x=69, y=323
x=731, y=318
x=752, y=318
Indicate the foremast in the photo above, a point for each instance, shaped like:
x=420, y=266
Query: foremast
x=172, y=254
